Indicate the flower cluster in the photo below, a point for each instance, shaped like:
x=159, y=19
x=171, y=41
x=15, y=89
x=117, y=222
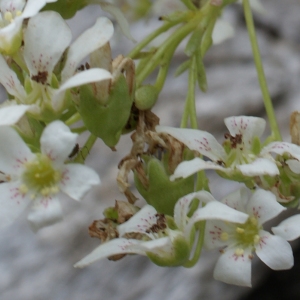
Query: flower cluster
x=53, y=97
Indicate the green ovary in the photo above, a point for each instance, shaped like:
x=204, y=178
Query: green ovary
x=40, y=177
x=248, y=234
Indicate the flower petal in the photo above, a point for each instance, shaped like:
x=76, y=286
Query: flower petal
x=274, y=251
x=12, y=202
x=218, y=211
x=91, y=75
x=248, y=127
x=182, y=206
x=10, y=115
x=288, y=229
x=13, y=152
x=281, y=148
x=92, y=39
x=140, y=222
x=33, y=7
x=234, y=269
x=46, y=38
x=213, y=234
x=237, y=199
x=77, y=180
x=197, y=140
x=113, y=247
x=294, y=165
x=190, y=167
x=260, y=166
x=118, y=15
x=44, y=212
x=57, y=141
x=264, y=206
x=10, y=81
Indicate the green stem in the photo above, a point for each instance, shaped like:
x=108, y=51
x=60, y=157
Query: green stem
x=75, y=118
x=136, y=50
x=189, y=4
x=260, y=72
x=169, y=46
x=80, y=158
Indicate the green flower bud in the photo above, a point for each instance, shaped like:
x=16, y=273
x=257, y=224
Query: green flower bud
x=145, y=97
x=66, y=8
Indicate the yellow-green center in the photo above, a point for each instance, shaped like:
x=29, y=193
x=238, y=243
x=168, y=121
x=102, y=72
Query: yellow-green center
x=247, y=234
x=40, y=177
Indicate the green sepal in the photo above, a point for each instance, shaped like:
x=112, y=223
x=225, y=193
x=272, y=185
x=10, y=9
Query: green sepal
x=162, y=193
x=106, y=121
x=181, y=253
x=66, y=8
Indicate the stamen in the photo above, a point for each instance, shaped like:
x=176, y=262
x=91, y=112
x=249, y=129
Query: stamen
x=224, y=236
x=8, y=16
x=240, y=230
x=239, y=252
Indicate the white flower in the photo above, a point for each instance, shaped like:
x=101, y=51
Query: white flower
x=39, y=178
x=163, y=245
x=46, y=38
x=241, y=156
x=13, y=12
x=239, y=241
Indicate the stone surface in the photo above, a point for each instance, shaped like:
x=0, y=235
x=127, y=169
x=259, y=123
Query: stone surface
x=39, y=266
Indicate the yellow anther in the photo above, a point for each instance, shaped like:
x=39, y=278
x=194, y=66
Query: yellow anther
x=23, y=189
x=240, y=230
x=18, y=13
x=253, y=220
x=8, y=16
x=239, y=251
x=256, y=239
x=224, y=236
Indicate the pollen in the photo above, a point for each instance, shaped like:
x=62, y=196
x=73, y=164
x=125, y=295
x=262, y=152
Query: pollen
x=240, y=230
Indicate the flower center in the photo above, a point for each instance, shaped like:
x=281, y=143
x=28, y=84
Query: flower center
x=40, y=177
x=247, y=234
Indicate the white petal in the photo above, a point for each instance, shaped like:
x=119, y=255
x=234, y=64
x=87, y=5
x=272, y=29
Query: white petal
x=190, y=167
x=44, y=212
x=77, y=180
x=288, y=229
x=113, y=247
x=10, y=115
x=197, y=140
x=294, y=165
x=12, y=202
x=248, y=127
x=222, y=31
x=234, y=269
x=218, y=211
x=264, y=206
x=213, y=234
x=33, y=7
x=92, y=39
x=10, y=81
x=281, y=148
x=260, y=166
x=237, y=199
x=140, y=222
x=274, y=251
x=57, y=141
x=46, y=38
x=13, y=152
x=118, y=15
x=10, y=34
x=182, y=206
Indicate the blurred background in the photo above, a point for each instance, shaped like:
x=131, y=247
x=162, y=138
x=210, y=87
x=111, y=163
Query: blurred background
x=40, y=266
